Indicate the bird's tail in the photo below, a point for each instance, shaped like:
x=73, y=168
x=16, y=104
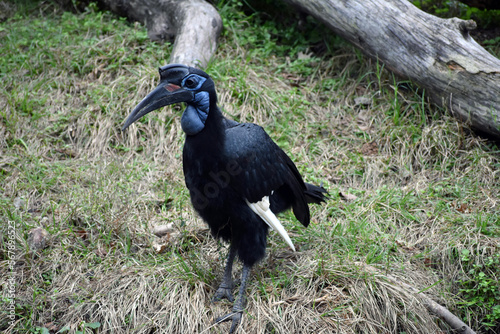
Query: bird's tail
x=315, y=194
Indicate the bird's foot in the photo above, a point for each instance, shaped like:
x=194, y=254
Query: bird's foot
x=235, y=317
x=239, y=304
x=224, y=291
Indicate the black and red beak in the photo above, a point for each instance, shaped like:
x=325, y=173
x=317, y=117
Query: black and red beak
x=163, y=95
x=168, y=92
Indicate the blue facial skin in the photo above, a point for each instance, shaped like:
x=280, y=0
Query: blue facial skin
x=194, y=117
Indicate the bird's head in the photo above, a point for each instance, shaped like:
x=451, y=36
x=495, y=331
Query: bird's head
x=180, y=83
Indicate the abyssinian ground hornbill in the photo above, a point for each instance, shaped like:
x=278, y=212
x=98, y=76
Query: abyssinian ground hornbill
x=238, y=178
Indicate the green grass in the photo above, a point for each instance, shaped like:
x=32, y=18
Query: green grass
x=414, y=193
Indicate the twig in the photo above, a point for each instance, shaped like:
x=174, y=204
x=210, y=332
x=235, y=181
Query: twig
x=442, y=312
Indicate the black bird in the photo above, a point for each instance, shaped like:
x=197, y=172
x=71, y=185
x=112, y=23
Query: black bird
x=237, y=177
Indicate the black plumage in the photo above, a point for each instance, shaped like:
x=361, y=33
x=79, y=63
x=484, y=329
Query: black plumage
x=228, y=168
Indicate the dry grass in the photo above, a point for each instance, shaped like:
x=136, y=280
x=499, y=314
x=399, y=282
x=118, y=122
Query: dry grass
x=411, y=189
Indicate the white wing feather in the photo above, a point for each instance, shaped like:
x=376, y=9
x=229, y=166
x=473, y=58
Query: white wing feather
x=262, y=209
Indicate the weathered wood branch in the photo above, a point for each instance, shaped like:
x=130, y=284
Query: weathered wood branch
x=442, y=312
x=438, y=54
x=195, y=24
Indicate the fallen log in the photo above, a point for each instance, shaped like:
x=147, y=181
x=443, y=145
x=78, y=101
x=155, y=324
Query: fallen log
x=195, y=25
x=437, y=54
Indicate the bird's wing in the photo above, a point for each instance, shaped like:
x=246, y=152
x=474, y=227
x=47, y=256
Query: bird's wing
x=259, y=167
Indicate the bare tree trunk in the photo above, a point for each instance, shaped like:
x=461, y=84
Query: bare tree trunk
x=436, y=53
x=195, y=24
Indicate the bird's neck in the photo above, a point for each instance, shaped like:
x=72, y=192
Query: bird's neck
x=210, y=140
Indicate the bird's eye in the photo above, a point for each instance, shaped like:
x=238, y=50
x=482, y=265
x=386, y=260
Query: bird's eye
x=191, y=82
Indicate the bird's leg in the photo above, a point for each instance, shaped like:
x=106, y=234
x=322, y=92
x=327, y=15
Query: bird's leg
x=225, y=289
x=239, y=304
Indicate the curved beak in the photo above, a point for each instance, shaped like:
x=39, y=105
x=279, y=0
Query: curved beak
x=163, y=95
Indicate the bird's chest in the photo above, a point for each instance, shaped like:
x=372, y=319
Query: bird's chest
x=206, y=178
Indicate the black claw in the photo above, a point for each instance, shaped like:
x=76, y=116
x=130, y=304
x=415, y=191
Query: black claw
x=223, y=292
x=235, y=317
